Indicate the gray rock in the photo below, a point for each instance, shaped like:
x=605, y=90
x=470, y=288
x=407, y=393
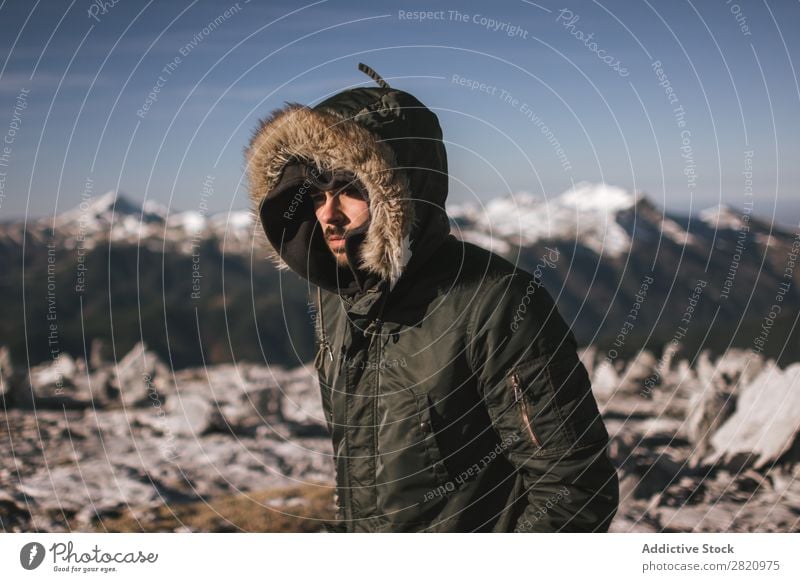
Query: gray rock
x=189, y=415
x=302, y=402
x=139, y=376
x=605, y=380
x=98, y=354
x=709, y=408
x=766, y=422
x=6, y=371
x=14, y=516
x=588, y=355
x=237, y=428
x=60, y=383
x=640, y=369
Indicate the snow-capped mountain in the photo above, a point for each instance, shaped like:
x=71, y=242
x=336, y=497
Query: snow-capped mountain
x=607, y=241
x=602, y=218
x=114, y=216
x=586, y=215
x=97, y=215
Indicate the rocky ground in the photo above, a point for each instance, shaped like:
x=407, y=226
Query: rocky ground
x=174, y=441
x=710, y=445
x=711, y=448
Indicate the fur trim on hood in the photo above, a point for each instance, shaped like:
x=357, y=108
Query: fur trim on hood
x=381, y=136
x=330, y=142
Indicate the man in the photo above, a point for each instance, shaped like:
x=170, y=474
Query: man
x=450, y=384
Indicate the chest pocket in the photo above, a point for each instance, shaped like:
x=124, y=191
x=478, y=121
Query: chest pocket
x=409, y=466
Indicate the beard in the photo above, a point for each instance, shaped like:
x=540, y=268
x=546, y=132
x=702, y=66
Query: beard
x=338, y=251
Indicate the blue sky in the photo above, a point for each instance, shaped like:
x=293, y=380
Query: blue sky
x=84, y=73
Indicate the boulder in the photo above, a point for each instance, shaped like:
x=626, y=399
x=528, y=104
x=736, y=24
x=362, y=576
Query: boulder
x=709, y=407
x=588, y=355
x=189, y=415
x=60, y=383
x=641, y=368
x=139, y=376
x=605, y=380
x=766, y=422
x=6, y=372
x=301, y=401
x=738, y=367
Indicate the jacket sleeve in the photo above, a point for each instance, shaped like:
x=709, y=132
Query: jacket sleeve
x=538, y=395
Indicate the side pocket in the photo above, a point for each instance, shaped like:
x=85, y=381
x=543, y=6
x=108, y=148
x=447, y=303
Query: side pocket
x=522, y=403
x=553, y=404
x=536, y=416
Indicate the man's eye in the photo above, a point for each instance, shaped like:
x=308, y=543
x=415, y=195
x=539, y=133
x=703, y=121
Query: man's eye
x=353, y=193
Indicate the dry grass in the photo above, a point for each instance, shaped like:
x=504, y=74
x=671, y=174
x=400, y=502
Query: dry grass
x=291, y=509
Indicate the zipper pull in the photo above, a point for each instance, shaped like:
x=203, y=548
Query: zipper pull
x=323, y=347
x=373, y=325
x=523, y=407
x=515, y=385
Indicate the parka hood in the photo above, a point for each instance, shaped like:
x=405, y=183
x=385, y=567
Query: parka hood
x=382, y=140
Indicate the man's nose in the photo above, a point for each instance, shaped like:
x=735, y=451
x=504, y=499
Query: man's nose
x=331, y=211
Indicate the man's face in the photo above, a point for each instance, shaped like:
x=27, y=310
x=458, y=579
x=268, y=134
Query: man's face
x=339, y=212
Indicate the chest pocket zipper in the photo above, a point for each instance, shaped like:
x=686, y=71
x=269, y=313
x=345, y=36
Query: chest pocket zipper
x=521, y=401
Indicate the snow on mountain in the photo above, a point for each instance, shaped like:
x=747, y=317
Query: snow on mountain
x=587, y=213
x=154, y=211
x=190, y=221
x=238, y=224
x=722, y=216
x=597, y=216
x=113, y=214
x=601, y=198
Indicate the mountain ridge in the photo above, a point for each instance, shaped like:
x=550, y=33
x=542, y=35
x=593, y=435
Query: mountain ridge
x=199, y=287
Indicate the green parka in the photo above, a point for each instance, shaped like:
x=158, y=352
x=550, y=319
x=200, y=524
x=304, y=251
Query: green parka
x=450, y=384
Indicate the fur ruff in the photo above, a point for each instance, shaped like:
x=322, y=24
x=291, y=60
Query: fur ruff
x=332, y=141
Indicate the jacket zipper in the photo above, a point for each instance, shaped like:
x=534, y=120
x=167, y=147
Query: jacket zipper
x=519, y=398
x=378, y=354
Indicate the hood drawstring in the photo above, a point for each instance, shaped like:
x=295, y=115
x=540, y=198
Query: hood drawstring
x=372, y=329
x=323, y=342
